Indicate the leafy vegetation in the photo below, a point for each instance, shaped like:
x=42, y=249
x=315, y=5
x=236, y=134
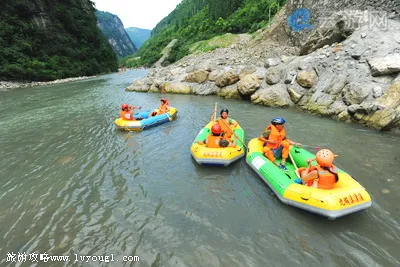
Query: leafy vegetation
x=63, y=41
x=197, y=20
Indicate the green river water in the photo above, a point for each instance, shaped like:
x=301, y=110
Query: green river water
x=71, y=184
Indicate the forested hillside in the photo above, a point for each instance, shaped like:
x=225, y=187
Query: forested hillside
x=47, y=40
x=195, y=20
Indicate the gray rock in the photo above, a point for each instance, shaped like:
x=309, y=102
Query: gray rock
x=296, y=92
x=354, y=93
x=337, y=107
x=249, y=84
x=273, y=75
x=272, y=96
x=385, y=65
x=377, y=91
x=336, y=85
x=363, y=35
x=207, y=88
x=271, y=62
x=352, y=109
x=289, y=78
x=139, y=85
x=357, y=54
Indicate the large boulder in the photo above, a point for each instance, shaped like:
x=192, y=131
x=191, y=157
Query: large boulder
x=306, y=79
x=230, y=92
x=249, y=84
x=272, y=96
x=355, y=93
x=320, y=103
x=227, y=78
x=337, y=107
x=385, y=65
x=274, y=75
x=207, y=88
x=389, y=113
x=176, y=88
x=200, y=76
x=296, y=92
x=139, y=85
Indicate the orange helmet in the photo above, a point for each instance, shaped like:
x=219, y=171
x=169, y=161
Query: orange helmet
x=216, y=129
x=325, y=157
x=124, y=106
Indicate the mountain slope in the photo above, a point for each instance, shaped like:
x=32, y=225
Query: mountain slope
x=138, y=35
x=40, y=41
x=114, y=31
x=197, y=20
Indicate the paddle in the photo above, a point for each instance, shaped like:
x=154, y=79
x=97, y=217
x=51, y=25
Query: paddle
x=213, y=117
x=237, y=137
x=296, y=169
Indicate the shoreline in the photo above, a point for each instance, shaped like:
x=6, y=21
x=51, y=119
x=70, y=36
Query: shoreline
x=8, y=85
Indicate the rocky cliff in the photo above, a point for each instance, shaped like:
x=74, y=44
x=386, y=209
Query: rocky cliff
x=114, y=31
x=345, y=66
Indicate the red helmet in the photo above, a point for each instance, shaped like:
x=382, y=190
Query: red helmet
x=164, y=100
x=325, y=157
x=216, y=129
x=124, y=106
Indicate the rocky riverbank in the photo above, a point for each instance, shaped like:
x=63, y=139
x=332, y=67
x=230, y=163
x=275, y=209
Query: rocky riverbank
x=350, y=72
x=14, y=85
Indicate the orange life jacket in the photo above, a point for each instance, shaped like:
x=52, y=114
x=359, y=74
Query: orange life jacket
x=225, y=126
x=213, y=141
x=327, y=179
x=126, y=115
x=275, y=135
x=163, y=108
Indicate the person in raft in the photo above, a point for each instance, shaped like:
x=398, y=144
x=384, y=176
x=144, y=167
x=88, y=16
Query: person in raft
x=164, y=108
x=276, y=144
x=227, y=124
x=324, y=175
x=127, y=114
x=215, y=140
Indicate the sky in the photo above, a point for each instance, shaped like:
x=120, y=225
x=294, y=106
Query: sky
x=143, y=14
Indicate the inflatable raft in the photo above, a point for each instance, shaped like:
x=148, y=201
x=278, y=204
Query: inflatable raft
x=348, y=196
x=217, y=156
x=146, y=122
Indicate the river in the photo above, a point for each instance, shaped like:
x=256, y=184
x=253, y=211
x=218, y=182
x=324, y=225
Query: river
x=71, y=184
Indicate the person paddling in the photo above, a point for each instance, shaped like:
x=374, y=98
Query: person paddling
x=215, y=140
x=276, y=144
x=164, y=108
x=227, y=124
x=324, y=175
